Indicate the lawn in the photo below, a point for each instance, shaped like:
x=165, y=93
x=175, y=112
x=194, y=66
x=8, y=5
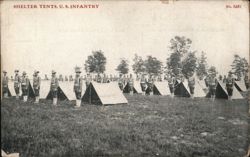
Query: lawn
x=147, y=126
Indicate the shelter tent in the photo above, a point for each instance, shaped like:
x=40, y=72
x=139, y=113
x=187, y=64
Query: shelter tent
x=105, y=94
x=183, y=90
x=11, y=90
x=161, y=88
x=221, y=92
x=60, y=95
x=68, y=89
x=240, y=85
x=44, y=88
x=137, y=88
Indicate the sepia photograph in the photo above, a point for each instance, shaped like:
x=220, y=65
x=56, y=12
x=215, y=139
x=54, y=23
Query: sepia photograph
x=149, y=78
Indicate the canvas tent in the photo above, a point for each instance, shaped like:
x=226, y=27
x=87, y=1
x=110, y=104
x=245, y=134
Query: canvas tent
x=221, y=91
x=183, y=90
x=44, y=88
x=105, y=94
x=68, y=89
x=240, y=85
x=11, y=91
x=160, y=88
x=137, y=88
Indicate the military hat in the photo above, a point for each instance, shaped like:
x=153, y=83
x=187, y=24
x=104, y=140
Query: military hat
x=35, y=72
x=53, y=72
x=24, y=73
x=16, y=70
x=4, y=71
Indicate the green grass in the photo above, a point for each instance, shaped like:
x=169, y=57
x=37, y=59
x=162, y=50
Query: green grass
x=148, y=126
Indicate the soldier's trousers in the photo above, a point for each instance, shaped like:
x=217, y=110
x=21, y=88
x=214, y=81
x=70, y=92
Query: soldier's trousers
x=78, y=94
x=17, y=90
x=229, y=90
x=143, y=87
x=5, y=89
x=25, y=91
x=191, y=88
x=54, y=93
x=212, y=90
x=37, y=91
x=171, y=88
x=131, y=88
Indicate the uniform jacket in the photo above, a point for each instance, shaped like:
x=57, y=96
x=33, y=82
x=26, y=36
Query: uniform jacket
x=54, y=84
x=17, y=81
x=36, y=82
x=78, y=84
x=5, y=81
x=25, y=82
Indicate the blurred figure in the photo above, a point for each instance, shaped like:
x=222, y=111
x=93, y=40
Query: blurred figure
x=212, y=83
x=66, y=78
x=171, y=83
x=150, y=84
x=220, y=77
x=131, y=85
x=78, y=86
x=36, y=85
x=143, y=82
x=230, y=85
x=120, y=82
x=17, y=82
x=224, y=79
x=5, y=82
x=246, y=80
x=25, y=86
x=191, y=83
x=54, y=84
x=46, y=77
x=88, y=80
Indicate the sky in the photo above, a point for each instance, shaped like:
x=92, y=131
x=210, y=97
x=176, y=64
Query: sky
x=60, y=39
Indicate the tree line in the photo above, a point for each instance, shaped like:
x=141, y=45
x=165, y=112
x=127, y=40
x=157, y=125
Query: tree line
x=182, y=59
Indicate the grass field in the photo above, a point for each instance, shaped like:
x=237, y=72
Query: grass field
x=148, y=126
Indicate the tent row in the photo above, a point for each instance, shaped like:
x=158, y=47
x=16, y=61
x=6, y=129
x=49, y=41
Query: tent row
x=96, y=93
x=182, y=89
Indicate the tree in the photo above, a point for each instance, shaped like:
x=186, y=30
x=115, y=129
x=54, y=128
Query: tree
x=189, y=64
x=239, y=66
x=123, y=66
x=96, y=62
x=138, y=66
x=181, y=54
x=201, y=71
x=153, y=66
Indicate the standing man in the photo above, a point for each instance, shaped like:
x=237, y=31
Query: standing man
x=120, y=82
x=36, y=85
x=150, y=84
x=230, y=85
x=78, y=86
x=246, y=80
x=212, y=83
x=191, y=84
x=5, y=82
x=88, y=80
x=171, y=83
x=143, y=84
x=131, y=84
x=17, y=81
x=25, y=86
x=54, y=84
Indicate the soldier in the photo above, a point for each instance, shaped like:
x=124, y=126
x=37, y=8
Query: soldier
x=120, y=82
x=131, y=84
x=98, y=78
x=105, y=79
x=143, y=82
x=220, y=77
x=17, y=82
x=150, y=84
x=224, y=79
x=25, y=86
x=36, y=85
x=230, y=85
x=46, y=77
x=5, y=82
x=212, y=83
x=191, y=83
x=78, y=86
x=66, y=78
x=54, y=84
x=171, y=84
x=88, y=80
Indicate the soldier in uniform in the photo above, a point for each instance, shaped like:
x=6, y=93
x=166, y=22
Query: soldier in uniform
x=171, y=83
x=131, y=84
x=36, y=85
x=17, y=82
x=224, y=79
x=191, y=84
x=246, y=80
x=120, y=82
x=230, y=85
x=25, y=86
x=54, y=84
x=78, y=86
x=98, y=78
x=150, y=84
x=143, y=82
x=212, y=83
x=5, y=82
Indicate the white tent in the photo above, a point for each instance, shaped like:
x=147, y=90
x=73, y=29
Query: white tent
x=44, y=88
x=161, y=88
x=68, y=89
x=182, y=89
x=12, y=89
x=137, y=87
x=240, y=85
x=105, y=94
